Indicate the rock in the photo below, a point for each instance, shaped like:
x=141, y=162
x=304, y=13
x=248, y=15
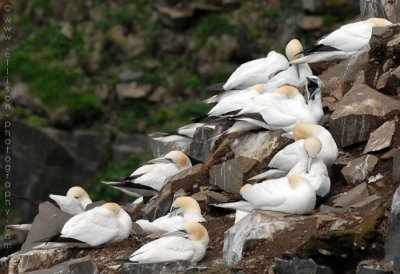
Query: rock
x=369, y=9
x=117, y=34
x=125, y=145
x=392, y=85
x=388, y=65
x=130, y=75
x=159, y=205
x=174, y=18
x=357, y=194
x=189, y=180
x=229, y=175
x=258, y=225
x=297, y=265
x=334, y=87
x=67, y=30
x=324, y=209
x=339, y=224
x=390, y=154
x=129, y=91
x=396, y=167
x=216, y=198
x=370, y=199
x=81, y=265
x=313, y=6
x=381, y=138
x=359, y=113
x=167, y=267
x=392, y=240
x=20, y=97
x=49, y=222
x=382, y=81
x=157, y=95
x=392, y=9
x=310, y=22
x=357, y=170
x=160, y=148
x=369, y=270
x=202, y=143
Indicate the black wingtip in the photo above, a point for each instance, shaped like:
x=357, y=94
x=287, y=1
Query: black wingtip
x=216, y=87
x=317, y=48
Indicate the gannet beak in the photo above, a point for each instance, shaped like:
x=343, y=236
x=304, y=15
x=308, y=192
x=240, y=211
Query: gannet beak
x=309, y=159
x=296, y=66
x=173, y=211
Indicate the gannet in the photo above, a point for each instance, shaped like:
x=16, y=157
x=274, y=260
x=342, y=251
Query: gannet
x=343, y=42
x=183, y=210
x=291, y=194
x=74, y=202
x=188, y=244
x=183, y=133
x=149, y=179
x=295, y=75
x=101, y=225
x=256, y=71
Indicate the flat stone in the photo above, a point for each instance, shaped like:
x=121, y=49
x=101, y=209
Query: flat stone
x=81, y=265
x=382, y=80
x=359, y=113
x=355, y=195
x=370, y=199
x=130, y=75
x=396, y=167
x=381, y=137
x=297, y=265
x=125, y=145
x=131, y=91
x=390, y=154
x=229, y=175
x=357, y=170
x=167, y=267
x=160, y=148
x=49, y=222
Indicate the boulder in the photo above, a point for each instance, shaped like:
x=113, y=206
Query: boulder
x=164, y=268
x=381, y=138
x=81, y=265
x=202, y=143
x=355, y=195
x=357, y=170
x=297, y=265
x=159, y=205
x=360, y=112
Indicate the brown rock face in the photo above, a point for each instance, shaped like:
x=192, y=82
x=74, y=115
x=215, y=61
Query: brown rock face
x=360, y=112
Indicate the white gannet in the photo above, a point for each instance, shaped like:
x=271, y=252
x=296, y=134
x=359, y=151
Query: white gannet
x=284, y=114
x=286, y=158
x=183, y=210
x=183, y=133
x=74, y=202
x=343, y=42
x=295, y=75
x=311, y=168
x=149, y=179
x=101, y=225
x=188, y=244
x=256, y=71
x=291, y=194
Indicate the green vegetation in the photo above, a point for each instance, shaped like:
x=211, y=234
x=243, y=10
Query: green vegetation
x=37, y=121
x=214, y=24
x=273, y=13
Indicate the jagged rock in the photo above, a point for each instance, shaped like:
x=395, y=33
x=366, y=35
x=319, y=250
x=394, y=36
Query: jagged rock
x=339, y=224
x=229, y=175
x=125, y=145
x=382, y=81
x=130, y=76
x=369, y=9
x=297, y=265
x=49, y=222
x=396, y=167
x=392, y=9
x=310, y=22
x=392, y=85
x=258, y=225
x=357, y=170
x=359, y=112
x=189, y=179
x=202, y=142
x=334, y=87
x=381, y=138
x=357, y=194
x=159, y=205
x=167, y=267
x=81, y=265
x=161, y=148
x=129, y=91
x=216, y=198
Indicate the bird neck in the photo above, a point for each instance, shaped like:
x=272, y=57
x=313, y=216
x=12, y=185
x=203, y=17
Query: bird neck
x=193, y=216
x=315, y=107
x=85, y=201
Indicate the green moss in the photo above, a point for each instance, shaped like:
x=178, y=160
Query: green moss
x=37, y=121
x=274, y=14
x=193, y=81
x=19, y=113
x=82, y=105
x=212, y=25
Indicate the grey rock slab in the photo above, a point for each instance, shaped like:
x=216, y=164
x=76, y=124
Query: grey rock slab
x=370, y=199
x=396, y=167
x=162, y=268
x=160, y=148
x=202, y=143
x=369, y=9
x=47, y=223
x=300, y=266
x=358, y=169
x=36, y=259
x=392, y=239
x=125, y=145
x=381, y=137
x=76, y=266
x=360, y=112
x=355, y=195
x=229, y=175
x=159, y=205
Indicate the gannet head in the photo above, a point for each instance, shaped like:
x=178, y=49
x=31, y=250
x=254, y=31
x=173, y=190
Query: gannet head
x=196, y=232
x=312, y=146
x=289, y=91
x=244, y=188
x=293, y=48
x=379, y=22
x=80, y=194
x=115, y=208
x=296, y=181
x=184, y=205
x=179, y=158
x=305, y=130
x=313, y=87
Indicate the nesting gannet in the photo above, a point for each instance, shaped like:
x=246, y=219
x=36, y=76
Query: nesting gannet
x=188, y=244
x=284, y=114
x=74, y=202
x=101, y=225
x=183, y=133
x=183, y=210
x=256, y=71
x=149, y=179
x=343, y=42
x=290, y=194
x=295, y=75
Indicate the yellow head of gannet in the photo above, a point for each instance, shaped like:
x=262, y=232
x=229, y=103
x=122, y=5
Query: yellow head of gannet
x=289, y=91
x=79, y=193
x=312, y=145
x=184, y=205
x=115, y=208
x=179, y=158
x=293, y=49
x=304, y=130
x=379, y=22
x=196, y=232
x=244, y=188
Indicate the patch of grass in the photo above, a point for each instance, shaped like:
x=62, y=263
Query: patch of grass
x=37, y=121
x=273, y=13
x=212, y=25
x=19, y=113
x=193, y=81
x=99, y=191
x=82, y=105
